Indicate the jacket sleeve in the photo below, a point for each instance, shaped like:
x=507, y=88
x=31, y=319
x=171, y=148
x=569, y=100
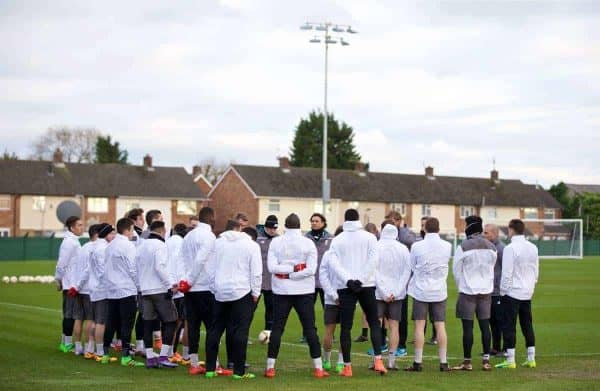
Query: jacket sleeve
x=273, y=263
x=83, y=269
x=210, y=268
x=202, y=258
x=130, y=255
x=508, y=265
x=380, y=277
x=161, y=266
x=402, y=282
x=336, y=265
x=311, y=263
x=64, y=257
x=255, y=270
x=373, y=259
x=324, y=277
x=457, y=264
x=97, y=263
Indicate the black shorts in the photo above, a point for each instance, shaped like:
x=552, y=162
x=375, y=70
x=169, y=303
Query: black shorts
x=69, y=306
x=331, y=314
x=421, y=308
x=159, y=306
x=391, y=310
x=100, y=311
x=83, y=308
x=180, y=306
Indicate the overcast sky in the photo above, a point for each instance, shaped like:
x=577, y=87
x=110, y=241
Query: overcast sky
x=448, y=84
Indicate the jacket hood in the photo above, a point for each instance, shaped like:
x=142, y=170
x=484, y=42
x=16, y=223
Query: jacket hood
x=389, y=232
x=234, y=235
x=350, y=226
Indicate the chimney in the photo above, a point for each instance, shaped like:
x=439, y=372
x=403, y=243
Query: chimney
x=494, y=176
x=429, y=172
x=284, y=163
x=360, y=168
x=57, y=158
x=148, y=162
x=196, y=170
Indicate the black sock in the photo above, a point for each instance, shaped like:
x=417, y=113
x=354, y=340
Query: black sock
x=365, y=332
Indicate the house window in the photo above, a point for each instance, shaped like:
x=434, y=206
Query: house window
x=131, y=205
x=186, y=207
x=530, y=213
x=4, y=202
x=39, y=203
x=400, y=208
x=549, y=213
x=492, y=213
x=319, y=207
x=467, y=211
x=4, y=232
x=425, y=210
x=97, y=205
x=353, y=205
x=274, y=206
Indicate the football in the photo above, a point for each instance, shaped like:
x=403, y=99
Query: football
x=263, y=336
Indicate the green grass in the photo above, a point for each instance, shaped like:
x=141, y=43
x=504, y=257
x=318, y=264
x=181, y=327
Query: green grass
x=566, y=320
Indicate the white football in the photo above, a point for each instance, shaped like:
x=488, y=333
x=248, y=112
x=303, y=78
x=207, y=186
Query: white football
x=263, y=336
x=14, y=279
x=6, y=279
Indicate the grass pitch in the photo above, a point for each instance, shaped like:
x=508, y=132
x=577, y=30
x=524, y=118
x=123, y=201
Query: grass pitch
x=566, y=321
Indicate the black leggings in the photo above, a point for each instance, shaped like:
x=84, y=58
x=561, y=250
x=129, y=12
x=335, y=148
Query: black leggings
x=513, y=308
x=198, y=307
x=268, y=299
x=467, y=340
x=496, y=324
x=121, y=314
x=403, y=326
x=366, y=298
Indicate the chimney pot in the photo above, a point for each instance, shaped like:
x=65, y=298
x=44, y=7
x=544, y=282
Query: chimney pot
x=148, y=161
x=196, y=170
x=57, y=157
x=494, y=176
x=284, y=162
x=429, y=172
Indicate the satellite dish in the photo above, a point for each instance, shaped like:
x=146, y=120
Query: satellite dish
x=67, y=209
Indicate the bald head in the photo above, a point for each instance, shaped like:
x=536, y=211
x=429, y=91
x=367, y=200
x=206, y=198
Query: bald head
x=491, y=232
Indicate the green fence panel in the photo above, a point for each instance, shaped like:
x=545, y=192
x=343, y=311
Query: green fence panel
x=15, y=249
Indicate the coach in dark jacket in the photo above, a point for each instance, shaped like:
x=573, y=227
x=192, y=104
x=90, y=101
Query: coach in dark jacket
x=264, y=241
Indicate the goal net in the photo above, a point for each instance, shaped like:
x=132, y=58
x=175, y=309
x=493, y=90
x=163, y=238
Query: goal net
x=554, y=238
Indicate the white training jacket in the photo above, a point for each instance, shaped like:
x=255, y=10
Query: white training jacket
x=120, y=273
x=176, y=267
x=81, y=269
x=286, y=251
x=429, y=264
x=473, y=265
x=97, y=281
x=356, y=255
x=327, y=279
x=69, y=249
x=520, y=269
x=153, y=267
x=393, y=270
x=196, y=248
x=235, y=267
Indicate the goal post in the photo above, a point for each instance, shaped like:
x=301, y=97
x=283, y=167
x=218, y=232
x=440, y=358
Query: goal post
x=556, y=238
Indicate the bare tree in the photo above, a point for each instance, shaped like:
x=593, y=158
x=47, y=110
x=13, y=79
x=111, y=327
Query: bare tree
x=77, y=144
x=9, y=155
x=211, y=169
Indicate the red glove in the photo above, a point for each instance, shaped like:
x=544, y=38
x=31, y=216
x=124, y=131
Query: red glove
x=72, y=292
x=299, y=267
x=282, y=276
x=184, y=286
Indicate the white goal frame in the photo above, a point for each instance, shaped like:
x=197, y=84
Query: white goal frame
x=580, y=238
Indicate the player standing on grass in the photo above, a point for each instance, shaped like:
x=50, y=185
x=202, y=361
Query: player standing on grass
x=176, y=267
x=354, y=263
x=491, y=233
x=68, y=251
x=520, y=272
x=292, y=261
x=429, y=263
x=264, y=241
x=136, y=215
x=473, y=269
x=393, y=273
x=236, y=274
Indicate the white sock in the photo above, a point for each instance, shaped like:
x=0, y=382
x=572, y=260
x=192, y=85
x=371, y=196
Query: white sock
x=156, y=334
x=150, y=353
x=139, y=345
x=318, y=363
x=378, y=357
x=510, y=355
x=194, y=359
x=68, y=339
x=270, y=363
x=170, y=351
x=78, y=347
x=186, y=352
x=100, y=349
x=391, y=359
x=486, y=357
x=89, y=346
x=327, y=355
x=442, y=354
x=531, y=353
x=114, y=341
x=164, y=350
x=418, y=356
x=340, y=358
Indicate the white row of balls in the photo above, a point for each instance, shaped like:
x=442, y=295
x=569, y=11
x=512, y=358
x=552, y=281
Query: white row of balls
x=28, y=279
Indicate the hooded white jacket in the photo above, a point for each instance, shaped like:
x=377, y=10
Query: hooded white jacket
x=286, y=251
x=120, y=272
x=393, y=270
x=429, y=264
x=69, y=249
x=97, y=281
x=235, y=267
x=81, y=269
x=473, y=266
x=356, y=255
x=153, y=267
x=520, y=269
x=196, y=248
x=328, y=279
x=175, y=263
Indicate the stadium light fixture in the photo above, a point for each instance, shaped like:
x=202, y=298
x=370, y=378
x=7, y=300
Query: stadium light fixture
x=338, y=29
x=315, y=40
x=306, y=26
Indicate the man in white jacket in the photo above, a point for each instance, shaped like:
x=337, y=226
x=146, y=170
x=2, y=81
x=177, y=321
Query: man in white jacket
x=122, y=286
x=157, y=285
x=520, y=272
x=68, y=251
x=292, y=261
x=236, y=276
x=429, y=264
x=393, y=272
x=473, y=269
x=354, y=262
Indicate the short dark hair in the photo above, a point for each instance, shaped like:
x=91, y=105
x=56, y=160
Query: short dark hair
x=319, y=215
x=292, y=221
x=252, y=232
x=194, y=218
x=351, y=215
x=206, y=215
x=241, y=216
x=432, y=225
x=156, y=225
x=181, y=229
x=151, y=215
x=386, y=222
x=393, y=215
x=232, y=224
x=124, y=224
x=338, y=230
x=517, y=225
x=94, y=230
x=424, y=218
x=134, y=213
x=71, y=221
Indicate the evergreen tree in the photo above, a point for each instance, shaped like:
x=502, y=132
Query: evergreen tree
x=109, y=152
